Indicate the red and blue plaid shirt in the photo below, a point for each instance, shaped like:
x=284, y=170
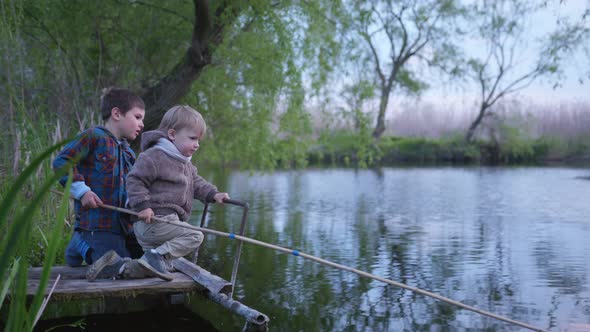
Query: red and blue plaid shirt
x=103, y=164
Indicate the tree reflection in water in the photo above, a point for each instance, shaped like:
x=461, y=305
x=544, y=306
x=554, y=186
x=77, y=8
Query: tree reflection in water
x=490, y=238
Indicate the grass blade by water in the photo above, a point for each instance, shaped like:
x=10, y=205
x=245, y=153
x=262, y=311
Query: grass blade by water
x=50, y=253
x=16, y=241
x=20, y=319
x=8, y=281
x=17, y=315
x=12, y=194
x=22, y=224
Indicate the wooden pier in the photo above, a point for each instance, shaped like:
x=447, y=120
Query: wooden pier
x=75, y=296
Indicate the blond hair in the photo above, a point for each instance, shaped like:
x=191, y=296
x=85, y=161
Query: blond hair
x=183, y=116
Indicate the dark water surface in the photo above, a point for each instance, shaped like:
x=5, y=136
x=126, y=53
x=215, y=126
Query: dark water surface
x=513, y=241
x=175, y=318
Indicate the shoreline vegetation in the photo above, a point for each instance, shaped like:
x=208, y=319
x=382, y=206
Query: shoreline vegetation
x=562, y=140
x=404, y=151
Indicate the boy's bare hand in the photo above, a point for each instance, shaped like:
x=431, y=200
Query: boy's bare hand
x=219, y=197
x=146, y=215
x=90, y=200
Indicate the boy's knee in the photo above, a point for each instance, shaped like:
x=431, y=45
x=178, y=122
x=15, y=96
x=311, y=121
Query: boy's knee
x=74, y=260
x=192, y=240
x=198, y=236
x=77, y=251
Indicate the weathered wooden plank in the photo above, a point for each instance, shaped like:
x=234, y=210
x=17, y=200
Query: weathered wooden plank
x=81, y=288
x=66, y=272
x=74, y=295
x=73, y=283
x=213, y=283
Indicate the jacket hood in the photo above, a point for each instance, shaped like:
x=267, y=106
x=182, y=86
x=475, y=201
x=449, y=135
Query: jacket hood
x=150, y=138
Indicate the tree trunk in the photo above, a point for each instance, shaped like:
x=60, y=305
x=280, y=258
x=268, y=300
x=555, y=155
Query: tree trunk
x=380, y=125
x=471, y=131
x=169, y=90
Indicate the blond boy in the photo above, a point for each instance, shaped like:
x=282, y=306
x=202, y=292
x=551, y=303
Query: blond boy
x=164, y=183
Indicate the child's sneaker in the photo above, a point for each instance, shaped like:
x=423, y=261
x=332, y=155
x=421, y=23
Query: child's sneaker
x=169, y=264
x=106, y=267
x=154, y=262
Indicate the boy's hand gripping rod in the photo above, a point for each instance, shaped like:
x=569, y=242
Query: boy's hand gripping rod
x=329, y=263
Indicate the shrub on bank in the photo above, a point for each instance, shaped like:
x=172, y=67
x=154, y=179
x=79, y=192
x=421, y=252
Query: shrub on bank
x=345, y=148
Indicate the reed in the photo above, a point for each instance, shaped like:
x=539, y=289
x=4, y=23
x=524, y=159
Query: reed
x=19, y=208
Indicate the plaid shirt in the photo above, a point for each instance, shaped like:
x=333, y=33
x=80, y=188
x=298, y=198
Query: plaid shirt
x=103, y=165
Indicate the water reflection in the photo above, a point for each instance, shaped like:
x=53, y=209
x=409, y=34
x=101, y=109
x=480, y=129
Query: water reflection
x=507, y=240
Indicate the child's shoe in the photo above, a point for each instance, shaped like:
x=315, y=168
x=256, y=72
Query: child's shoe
x=106, y=267
x=169, y=264
x=154, y=262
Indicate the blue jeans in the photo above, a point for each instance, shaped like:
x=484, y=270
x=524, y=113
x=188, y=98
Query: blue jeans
x=90, y=246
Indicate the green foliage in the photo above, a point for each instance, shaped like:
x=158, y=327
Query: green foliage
x=105, y=42
x=559, y=149
x=344, y=147
x=63, y=54
x=321, y=44
x=253, y=97
x=18, y=210
x=295, y=132
x=515, y=147
x=409, y=82
x=409, y=150
x=404, y=150
x=30, y=130
x=351, y=147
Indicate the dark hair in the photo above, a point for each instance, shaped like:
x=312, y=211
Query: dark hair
x=123, y=99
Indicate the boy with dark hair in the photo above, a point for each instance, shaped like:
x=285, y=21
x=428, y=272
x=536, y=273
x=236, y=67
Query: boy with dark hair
x=103, y=159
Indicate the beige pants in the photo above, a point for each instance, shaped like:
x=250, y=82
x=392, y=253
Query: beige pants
x=169, y=240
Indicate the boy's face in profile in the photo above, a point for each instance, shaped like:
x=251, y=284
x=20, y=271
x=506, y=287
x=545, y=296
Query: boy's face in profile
x=186, y=140
x=130, y=124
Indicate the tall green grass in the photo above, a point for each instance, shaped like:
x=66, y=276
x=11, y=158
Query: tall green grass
x=19, y=208
x=35, y=136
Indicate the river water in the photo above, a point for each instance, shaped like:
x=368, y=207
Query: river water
x=512, y=241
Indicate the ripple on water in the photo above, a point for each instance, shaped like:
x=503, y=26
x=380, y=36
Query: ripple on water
x=512, y=240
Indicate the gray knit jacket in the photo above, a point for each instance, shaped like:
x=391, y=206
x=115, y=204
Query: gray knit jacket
x=164, y=180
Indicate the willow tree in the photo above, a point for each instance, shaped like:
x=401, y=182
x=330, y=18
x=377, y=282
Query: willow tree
x=400, y=36
x=503, y=67
x=254, y=92
x=253, y=55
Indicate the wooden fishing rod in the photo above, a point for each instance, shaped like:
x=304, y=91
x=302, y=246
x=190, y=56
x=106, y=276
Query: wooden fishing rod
x=329, y=263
